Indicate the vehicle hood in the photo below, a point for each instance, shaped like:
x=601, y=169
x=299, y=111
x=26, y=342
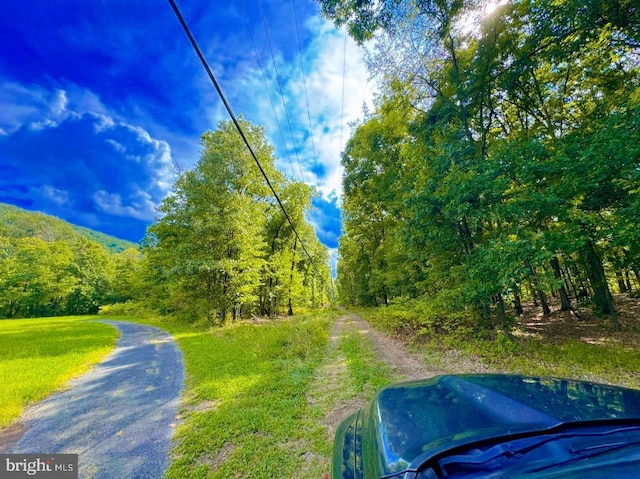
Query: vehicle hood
x=407, y=420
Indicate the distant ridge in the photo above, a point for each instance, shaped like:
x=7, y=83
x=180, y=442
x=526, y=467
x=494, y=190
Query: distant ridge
x=17, y=222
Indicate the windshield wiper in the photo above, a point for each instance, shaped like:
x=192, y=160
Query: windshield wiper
x=507, y=449
x=519, y=447
x=588, y=452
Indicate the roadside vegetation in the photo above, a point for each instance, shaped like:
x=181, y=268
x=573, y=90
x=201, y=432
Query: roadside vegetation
x=253, y=402
x=39, y=356
x=559, y=344
x=262, y=396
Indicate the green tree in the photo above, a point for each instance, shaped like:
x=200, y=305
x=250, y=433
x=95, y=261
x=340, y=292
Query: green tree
x=519, y=166
x=93, y=271
x=222, y=247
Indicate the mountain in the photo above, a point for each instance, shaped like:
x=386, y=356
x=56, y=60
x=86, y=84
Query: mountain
x=16, y=222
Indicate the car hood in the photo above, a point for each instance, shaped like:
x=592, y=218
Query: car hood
x=407, y=421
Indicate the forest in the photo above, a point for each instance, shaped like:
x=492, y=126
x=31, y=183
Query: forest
x=221, y=248
x=500, y=166
x=501, y=163
x=50, y=268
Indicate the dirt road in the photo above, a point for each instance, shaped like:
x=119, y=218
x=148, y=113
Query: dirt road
x=333, y=386
x=406, y=365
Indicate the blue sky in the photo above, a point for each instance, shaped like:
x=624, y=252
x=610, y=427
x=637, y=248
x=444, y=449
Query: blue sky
x=101, y=102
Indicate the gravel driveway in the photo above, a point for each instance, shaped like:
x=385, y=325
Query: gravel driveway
x=120, y=416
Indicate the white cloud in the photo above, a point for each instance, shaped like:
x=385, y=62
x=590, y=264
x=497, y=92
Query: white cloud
x=326, y=68
x=329, y=69
x=38, y=107
x=24, y=104
x=124, y=171
x=56, y=195
x=142, y=206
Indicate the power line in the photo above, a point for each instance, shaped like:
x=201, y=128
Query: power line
x=306, y=96
x=266, y=85
x=344, y=70
x=286, y=112
x=239, y=128
x=304, y=82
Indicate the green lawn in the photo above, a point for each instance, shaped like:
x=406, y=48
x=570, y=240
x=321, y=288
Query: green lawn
x=247, y=413
x=38, y=356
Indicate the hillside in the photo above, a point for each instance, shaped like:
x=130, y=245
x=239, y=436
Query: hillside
x=16, y=222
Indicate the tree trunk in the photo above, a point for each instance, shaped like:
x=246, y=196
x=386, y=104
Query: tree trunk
x=534, y=296
x=546, y=311
x=517, y=302
x=502, y=315
x=225, y=289
x=622, y=286
x=602, y=295
x=274, y=303
x=293, y=264
x=568, y=281
x=209, y=301
x=263, y=308
x=565, y=304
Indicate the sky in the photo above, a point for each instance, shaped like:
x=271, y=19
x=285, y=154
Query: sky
x=103, y=102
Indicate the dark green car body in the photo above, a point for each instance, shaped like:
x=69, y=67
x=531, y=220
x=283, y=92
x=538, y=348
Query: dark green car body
x=413, y=430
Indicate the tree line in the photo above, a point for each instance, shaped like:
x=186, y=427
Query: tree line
x=501, y=162
x=45, y=278
x=221, y=248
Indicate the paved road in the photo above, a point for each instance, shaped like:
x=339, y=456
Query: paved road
x=120, y=416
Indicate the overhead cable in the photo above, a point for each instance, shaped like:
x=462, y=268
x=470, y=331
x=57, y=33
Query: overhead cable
x=266, y=85
x=304, y=82
x=284, y=105
x=203, y=60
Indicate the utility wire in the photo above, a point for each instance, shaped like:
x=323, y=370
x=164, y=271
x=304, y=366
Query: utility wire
x=344, y=74
x=284, y=105
x=239, y=128
x=266, y=85
x=304, y=82
x=306, y=96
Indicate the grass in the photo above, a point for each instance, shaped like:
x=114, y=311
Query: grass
x=367, y=373
x=262, y=397
x=256, y=400
x=39, y=356
x=348, y=376
x=247, y=413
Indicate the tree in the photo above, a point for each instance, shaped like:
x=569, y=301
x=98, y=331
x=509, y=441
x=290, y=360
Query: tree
x=92, y=270
x=518, y=164
x=222, y=246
